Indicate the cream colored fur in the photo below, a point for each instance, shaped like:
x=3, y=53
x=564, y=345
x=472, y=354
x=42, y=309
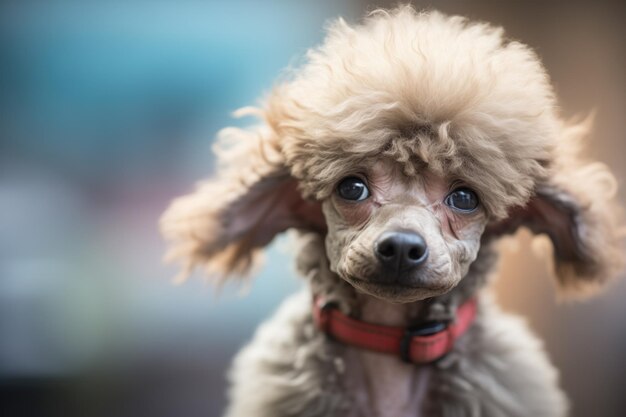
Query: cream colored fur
x=431, y=99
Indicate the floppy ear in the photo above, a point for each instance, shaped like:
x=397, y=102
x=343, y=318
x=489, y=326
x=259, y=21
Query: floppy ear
x=575, y=208
x=223, y=224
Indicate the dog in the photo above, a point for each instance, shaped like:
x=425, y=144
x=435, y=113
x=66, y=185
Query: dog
x=401, y=151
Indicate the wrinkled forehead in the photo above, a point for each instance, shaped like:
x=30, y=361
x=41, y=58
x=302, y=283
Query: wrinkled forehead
x=391, y=177
x=501, y=180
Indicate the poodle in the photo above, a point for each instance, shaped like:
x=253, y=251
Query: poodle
x=400, y=151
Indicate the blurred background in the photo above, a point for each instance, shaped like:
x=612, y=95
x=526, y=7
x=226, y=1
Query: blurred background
x=108, y=110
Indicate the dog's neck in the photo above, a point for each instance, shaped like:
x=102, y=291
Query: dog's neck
x=382, y=385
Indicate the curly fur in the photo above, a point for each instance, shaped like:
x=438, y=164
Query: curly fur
x=430, y=94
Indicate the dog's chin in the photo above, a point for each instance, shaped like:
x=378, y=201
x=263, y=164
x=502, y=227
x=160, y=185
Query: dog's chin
x=397, y=293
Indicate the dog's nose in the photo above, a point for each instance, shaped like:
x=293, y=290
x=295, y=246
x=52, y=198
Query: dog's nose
x=401, y=251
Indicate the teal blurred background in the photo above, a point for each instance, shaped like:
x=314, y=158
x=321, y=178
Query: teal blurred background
x=108, y=110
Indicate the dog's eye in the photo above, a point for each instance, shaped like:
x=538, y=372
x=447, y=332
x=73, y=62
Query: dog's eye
x=462, y=199
x=353, y=188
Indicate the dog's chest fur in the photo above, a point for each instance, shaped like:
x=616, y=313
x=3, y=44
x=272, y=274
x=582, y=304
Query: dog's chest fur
x=498, y=369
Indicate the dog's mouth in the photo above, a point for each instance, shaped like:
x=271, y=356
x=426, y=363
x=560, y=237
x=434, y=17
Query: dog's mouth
x=396, y=291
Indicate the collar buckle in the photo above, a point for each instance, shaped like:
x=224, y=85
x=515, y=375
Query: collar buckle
x=425, y=329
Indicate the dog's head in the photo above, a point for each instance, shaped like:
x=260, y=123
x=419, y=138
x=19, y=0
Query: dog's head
x=406, y=142
x=402, y=237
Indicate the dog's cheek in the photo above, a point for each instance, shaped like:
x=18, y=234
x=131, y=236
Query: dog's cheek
x=357, y=264
x=352, y=214
x=440, y=265
x=469, y=228
x=469, y=238
x=338, y=241
x=343, y=236
x=452, y=256
x=349, y=253
x=464, y=252
x=335, y=235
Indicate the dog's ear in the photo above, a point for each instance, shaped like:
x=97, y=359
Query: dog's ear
x=227, y=220
x=576, y=210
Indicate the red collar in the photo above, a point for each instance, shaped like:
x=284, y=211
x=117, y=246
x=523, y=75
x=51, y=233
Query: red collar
x=419, y=345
